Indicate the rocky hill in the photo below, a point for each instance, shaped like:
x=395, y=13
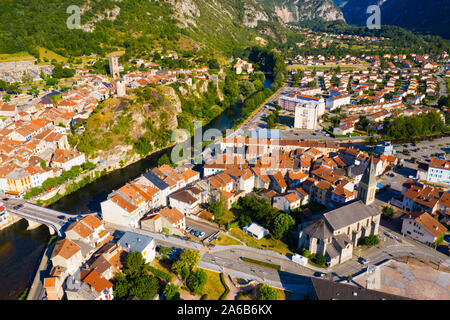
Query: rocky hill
x=137, y=24
x=299, y=10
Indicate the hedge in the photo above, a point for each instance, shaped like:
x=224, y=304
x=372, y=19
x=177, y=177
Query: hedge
x=262, y=263
x=160, y=274
x=227, y=289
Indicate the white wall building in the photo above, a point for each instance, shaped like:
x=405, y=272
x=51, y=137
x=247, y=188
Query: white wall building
x=306, y=116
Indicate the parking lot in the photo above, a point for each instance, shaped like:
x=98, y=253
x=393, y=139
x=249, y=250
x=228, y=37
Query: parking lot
x=199, y=226
x=423, y=150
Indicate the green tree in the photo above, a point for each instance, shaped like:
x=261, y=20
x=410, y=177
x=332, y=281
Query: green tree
x=43, y=163
x=371, y=240
x=189, y=259
x=388, y=211
x=306, y=253
x=165, y=251
x=320, y=259
x=267, y=293
x=134, y=264
x=216, y=208
x=282, y=224
x=197, y=280
x=144, y=287
x=172, y=292
x=164, y=159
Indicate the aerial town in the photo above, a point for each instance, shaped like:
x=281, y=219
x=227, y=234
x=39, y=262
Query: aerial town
x=334, y=182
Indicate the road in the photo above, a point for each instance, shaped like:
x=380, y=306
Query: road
x=443, y=84
x=292, y=276
x=392, y=244
x=56, y=219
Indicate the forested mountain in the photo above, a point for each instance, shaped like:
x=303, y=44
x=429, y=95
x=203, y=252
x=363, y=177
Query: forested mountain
x=134, y=24
x=429, y=17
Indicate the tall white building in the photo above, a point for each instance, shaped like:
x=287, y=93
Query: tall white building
x=306, y=115
x=439, y=171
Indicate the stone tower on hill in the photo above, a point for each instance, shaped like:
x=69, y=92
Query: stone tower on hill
x=368, y=184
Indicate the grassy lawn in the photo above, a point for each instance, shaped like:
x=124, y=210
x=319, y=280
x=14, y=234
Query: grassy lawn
x=9, y=57
x=224, y=240
x=264, y=243
x=213, y=288
x=50, y=55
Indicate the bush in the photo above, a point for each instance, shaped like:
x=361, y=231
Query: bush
x=320, y=259
x=306, y=253
x=371, y=240
x=172, y=292
x=267, y=293
x=388, y=211
x=160, y=273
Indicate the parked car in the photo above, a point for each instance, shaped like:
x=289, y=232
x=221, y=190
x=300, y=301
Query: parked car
x=188, y=229
x=201, y=234
x=365, y=260
x=319, y=274
x=193, y=231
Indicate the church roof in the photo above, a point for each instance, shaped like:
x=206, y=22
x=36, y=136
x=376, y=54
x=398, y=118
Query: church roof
x=317, y=229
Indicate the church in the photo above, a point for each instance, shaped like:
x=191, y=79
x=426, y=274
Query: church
x=337, y=232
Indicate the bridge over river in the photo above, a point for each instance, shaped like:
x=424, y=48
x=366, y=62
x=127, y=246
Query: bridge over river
x=37, y=215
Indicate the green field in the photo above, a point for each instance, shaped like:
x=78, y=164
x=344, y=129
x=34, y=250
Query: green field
x=50, y=55
x=19, y=56
x=214, y=287
x=267, y=243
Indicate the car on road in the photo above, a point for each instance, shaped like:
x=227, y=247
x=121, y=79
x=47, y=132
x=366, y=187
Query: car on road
x=319, y=274
x=193, y=232
x=201, y=234
x=364, y=260
x=188, y=229
x=17, y=207
x=61, y=217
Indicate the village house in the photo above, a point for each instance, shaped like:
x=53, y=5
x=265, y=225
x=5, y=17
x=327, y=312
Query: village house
x=422, y=227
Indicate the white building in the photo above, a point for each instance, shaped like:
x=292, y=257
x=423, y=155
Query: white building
x=255, y=230
x=66, y=159
x=422, y=227
x=134, y=242
x=306, y=116
x=120, y=211
x=337, y=101
x=439, y=171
